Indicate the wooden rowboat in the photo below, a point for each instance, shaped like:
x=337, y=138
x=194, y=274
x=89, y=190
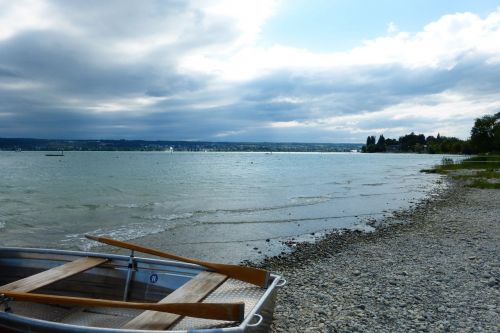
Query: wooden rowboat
x=44, y=290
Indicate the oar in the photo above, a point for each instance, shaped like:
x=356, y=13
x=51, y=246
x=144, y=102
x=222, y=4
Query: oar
x=220, y=311
x=251, y=275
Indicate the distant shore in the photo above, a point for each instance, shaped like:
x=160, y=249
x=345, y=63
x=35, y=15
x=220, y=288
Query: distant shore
x=435, y=268
x=28, y=144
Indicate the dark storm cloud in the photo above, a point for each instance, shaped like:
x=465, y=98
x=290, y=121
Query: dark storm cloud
x=327, y=95
x=70, y=66
x=53, y=79
x=111, y=70
x=369, y=88
x=7, y=73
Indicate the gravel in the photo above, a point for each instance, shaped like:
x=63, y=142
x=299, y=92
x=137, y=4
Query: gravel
x=435, y=268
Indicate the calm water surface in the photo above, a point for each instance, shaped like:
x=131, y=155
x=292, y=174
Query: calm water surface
x=224, y=206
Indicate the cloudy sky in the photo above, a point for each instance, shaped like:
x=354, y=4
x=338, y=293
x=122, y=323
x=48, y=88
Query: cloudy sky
x=260, y=70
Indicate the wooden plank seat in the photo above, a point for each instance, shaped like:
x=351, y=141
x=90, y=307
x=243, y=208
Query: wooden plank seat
x=54, y=274
x=195, y=290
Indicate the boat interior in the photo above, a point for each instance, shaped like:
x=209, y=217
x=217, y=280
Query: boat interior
x=122, y=278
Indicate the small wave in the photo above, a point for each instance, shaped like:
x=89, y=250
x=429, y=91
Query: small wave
x=294, y=202
x=284, y=220
x=383, y=193
x=124, y=233
x=310, y=200
x=13, y=201
x=170, y=217
x=333, y=183
x=129, y=205
x=98, y=206
x=138, y=230
x=91, y=206
x=2, y=225
x=374, y=184
x=147, y=205
x=116, y=189
x=68, y=206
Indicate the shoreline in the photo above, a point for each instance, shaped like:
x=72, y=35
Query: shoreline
x=333, y=241
x=432, y=268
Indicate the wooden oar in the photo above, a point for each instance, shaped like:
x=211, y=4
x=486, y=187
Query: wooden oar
x=251, y=275
x=219, y=311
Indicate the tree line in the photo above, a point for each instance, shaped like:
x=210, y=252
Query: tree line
x=485, y=138
x=22, y=144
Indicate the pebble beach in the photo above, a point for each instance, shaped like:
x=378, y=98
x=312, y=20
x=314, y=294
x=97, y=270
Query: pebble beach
x=434, y=268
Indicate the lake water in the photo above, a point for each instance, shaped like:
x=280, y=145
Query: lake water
x=222, y=206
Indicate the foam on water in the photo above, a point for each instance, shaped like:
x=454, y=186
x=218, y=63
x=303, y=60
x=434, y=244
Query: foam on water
x=165, y=218
x=303, y=201
x=129, y=205
x=127, y=232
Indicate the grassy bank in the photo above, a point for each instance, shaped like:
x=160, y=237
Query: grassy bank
x=477, y=171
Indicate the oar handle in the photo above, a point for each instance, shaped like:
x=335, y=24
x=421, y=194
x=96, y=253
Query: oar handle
x=251, y=275
x=219, y=311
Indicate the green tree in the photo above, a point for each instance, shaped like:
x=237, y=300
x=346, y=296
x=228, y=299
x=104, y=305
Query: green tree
x=421, y=139
x=485, y=134
x=409, y=141
x=496, y=134
x=370, y=140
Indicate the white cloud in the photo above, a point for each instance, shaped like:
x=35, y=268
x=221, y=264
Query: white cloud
x=17, y=16
x=20, y=86
x=441, y=44
x=247, y=16
x=130, y=104
x=287, y=124
x=288, y=100
x=228, y=134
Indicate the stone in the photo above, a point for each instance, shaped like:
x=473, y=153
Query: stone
x=416, y=275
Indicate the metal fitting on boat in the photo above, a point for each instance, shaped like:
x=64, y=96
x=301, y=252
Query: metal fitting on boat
x=5, y=301
x=259, y=320
x=281, y=282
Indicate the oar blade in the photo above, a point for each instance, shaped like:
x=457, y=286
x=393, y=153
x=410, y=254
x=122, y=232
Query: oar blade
x=256, y=276
x=218, y=311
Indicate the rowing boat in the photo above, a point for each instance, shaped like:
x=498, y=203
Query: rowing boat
x=46, y=290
